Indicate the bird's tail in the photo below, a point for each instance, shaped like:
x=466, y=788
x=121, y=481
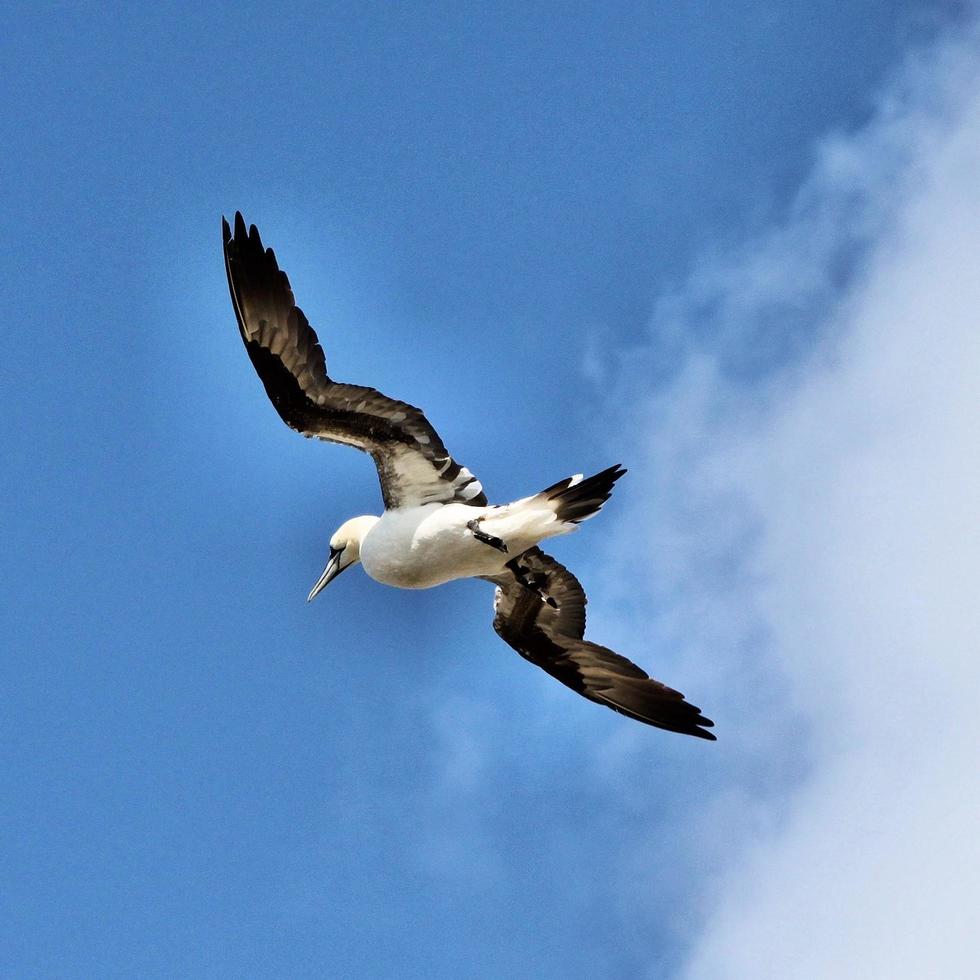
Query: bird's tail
x=575, y=499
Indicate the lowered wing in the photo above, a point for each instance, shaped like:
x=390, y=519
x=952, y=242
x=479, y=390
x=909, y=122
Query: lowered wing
x=552, y=638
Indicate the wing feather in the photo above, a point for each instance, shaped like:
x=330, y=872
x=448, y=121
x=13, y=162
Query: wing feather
x=553, y=639
x=413, y=465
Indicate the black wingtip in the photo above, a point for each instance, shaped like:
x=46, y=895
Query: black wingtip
x=576, y=502
x=695, y=723
x=701, y=724
x=225, y=230
x=698, y=727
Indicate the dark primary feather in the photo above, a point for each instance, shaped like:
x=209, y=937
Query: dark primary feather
x=577, y=502
x=413, y=464
x=553, y=639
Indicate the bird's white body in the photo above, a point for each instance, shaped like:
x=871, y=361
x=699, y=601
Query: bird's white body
x=419, y=547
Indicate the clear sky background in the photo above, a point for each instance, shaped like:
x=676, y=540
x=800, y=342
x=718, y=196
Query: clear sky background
x=730, y=244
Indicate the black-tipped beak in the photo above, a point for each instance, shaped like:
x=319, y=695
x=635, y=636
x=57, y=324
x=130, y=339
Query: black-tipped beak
x=333, y=569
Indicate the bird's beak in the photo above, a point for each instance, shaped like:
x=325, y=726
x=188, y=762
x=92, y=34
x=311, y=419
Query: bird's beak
x=333, y=569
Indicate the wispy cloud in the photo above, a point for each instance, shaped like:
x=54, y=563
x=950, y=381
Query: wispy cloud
x=814, y=481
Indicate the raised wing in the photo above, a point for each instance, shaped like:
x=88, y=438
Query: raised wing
x=413, y=464
x=552, y=639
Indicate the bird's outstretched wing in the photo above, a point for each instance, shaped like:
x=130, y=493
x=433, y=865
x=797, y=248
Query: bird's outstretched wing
x=413, y=464
x=552, y=638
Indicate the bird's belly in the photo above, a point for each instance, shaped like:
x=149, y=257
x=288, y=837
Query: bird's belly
x=417, y=550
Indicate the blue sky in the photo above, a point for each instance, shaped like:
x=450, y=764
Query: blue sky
x=527, y=220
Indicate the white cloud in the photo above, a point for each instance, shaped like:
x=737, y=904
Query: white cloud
x=826, y=512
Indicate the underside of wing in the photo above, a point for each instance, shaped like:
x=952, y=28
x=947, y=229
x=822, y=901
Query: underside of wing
x=413, y=464
x=552, y=638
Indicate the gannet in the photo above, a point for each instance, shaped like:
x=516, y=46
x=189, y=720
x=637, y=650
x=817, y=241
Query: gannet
x=437, y=524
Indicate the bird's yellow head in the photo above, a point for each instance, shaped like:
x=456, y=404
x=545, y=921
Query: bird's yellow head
x=345, y=550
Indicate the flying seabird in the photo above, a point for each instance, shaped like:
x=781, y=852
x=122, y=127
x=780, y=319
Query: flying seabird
x=437, y=524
